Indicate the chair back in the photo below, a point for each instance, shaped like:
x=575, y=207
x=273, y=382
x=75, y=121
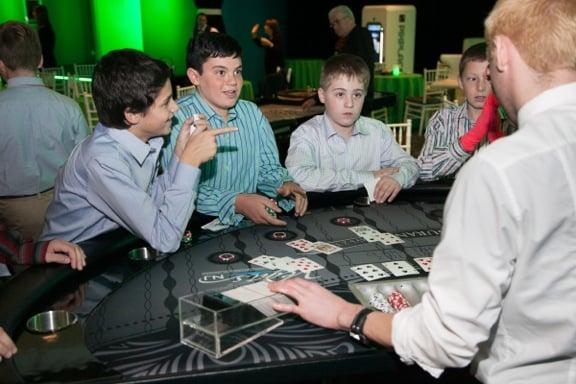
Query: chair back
x=184, y=91
x=90, y=110
x=79, y=86
x=403, y=134
x=84, y=70
x=430, y=77
x=53, y=77
x=380, y=114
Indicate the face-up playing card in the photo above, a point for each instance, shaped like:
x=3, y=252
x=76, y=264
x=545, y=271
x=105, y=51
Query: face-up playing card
x=286, y=264
x=325, y=248
x=424, y=262
x=367, y=233
x=265, y=261
x=400, y=268
x=369, y=272
x=389, y=239
x=301, y=245
x=306, y=265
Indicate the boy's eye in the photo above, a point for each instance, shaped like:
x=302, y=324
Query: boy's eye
x=238, y=72
x=339, y=94
x=358, y=95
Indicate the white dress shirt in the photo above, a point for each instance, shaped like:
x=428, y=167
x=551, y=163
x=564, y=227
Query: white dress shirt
x=503, y=281
x=321, y=160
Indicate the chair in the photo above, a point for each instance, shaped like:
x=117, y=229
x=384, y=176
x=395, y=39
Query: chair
x=84, y=70
x=184, y=91
x=54, y=78
x=79, y=86
x=90, y=110
x=403, y=134
x=422, y=108
x=380, y=114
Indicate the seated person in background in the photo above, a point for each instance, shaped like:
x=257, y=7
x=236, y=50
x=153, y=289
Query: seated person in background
x=247, y=161
x=109, y=180
x=7, y=347
x=15, y=250
x=202, y=25
x=453, y=133
x=341, y=150
x=39, y=128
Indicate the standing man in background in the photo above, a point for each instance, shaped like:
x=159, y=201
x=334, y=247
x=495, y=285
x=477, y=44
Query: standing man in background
x=39, y=130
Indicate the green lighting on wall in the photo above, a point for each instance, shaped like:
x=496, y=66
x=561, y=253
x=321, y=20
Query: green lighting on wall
x=12, y=10
x=117, y=24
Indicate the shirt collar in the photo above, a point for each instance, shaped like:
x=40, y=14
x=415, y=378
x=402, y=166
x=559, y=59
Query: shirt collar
x=136, y=147
x=208, y=111
x=329, y=131
x=25, y=80
x=552, y=98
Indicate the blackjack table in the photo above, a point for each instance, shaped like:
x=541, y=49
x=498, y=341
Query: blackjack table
x=128, y=329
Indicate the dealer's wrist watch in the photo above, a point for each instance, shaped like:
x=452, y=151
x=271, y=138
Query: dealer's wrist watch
x=357, y=327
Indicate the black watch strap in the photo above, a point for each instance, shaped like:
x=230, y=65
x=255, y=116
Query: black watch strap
x=357, y=326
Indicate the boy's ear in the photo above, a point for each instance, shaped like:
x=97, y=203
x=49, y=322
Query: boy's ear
x=321, y=95
x=131, y=117
x=193, y=76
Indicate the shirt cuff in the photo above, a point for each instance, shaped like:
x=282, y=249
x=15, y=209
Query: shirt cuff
x=401, y=334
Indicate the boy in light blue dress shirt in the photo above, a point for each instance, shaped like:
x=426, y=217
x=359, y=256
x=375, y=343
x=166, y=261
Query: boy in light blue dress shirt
x=110, y=179
x=341, y=150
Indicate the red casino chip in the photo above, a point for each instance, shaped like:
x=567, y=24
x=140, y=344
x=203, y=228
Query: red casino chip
x=397, y=301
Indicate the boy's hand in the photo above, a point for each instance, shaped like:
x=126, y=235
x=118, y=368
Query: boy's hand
x=255, y=207
x=386, y=189
x=201, y=145
x=299, y=196
x=63, y=252
x=188, y=128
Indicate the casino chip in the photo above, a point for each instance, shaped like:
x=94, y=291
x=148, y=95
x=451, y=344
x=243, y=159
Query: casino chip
x=280, y=235
x=398, y=301
x=345, y=221
x=225, y=257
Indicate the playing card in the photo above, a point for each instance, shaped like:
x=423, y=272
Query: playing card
x=325, y=248
x=424, y=262
x=367, y=233
x=370, y=186
x=301, y=245
x=369, y=272
x=265, y=261
x=286, y=264
x=400, y=268
x=389, y=239
x=214, y=226
x=306, y=265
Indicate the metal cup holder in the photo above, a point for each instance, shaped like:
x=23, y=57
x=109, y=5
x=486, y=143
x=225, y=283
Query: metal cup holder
x=51, y=321
x=143, y=254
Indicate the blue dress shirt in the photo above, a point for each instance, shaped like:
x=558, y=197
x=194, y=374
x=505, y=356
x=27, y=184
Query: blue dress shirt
x=109, y=181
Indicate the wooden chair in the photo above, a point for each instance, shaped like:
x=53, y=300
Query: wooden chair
x=54, y=78
x=78, y=87
x=422, y=108
x=184, y=91
x=403, y=134
x=380, y=114
x=90, y=110
x=84, y=70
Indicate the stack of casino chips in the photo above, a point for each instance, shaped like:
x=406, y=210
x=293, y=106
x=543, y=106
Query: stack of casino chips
x=379, y=302
x=397, y=301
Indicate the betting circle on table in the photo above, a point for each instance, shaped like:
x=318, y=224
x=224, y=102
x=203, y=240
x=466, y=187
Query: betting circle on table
x=345, y=221
x=280, y=235
x=225, y=257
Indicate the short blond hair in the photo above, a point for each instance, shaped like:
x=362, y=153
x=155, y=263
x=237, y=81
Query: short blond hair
x=543, y=31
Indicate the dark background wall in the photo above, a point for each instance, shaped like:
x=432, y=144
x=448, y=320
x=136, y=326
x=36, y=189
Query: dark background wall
x=307, y=34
